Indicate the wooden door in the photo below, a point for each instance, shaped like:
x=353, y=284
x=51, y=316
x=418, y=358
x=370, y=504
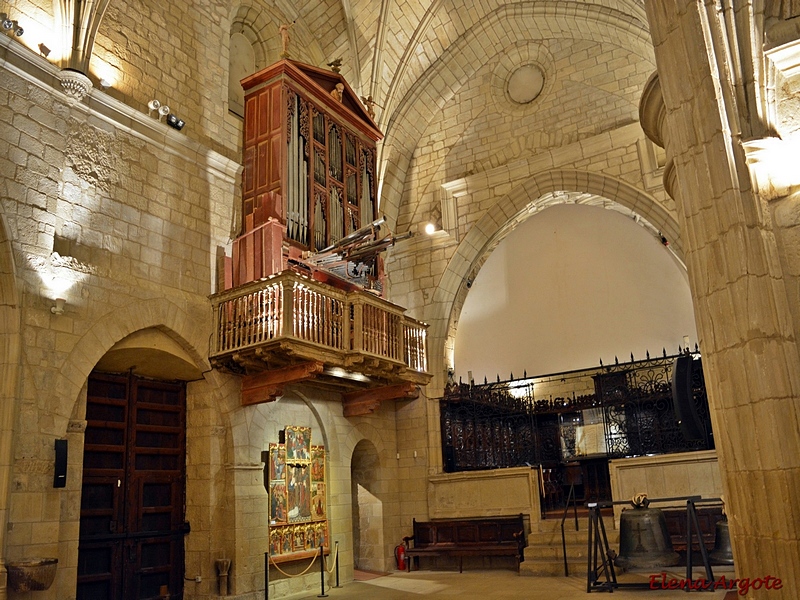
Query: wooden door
x=131, y=524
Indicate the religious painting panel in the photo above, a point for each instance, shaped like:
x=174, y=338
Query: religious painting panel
x=298, y=444
x=279, y=511
x=317, y=463
x=277, y=462
x=298, y=508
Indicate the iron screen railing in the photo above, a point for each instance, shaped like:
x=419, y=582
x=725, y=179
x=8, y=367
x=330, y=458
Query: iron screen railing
x=631, y=413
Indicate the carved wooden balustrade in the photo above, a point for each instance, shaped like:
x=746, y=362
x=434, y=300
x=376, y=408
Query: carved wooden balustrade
x=289, y=323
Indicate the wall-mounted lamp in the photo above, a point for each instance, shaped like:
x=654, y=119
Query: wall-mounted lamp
x=44, y=50
x=174, y=121
x=430, y=228
x=163, y=111
x=153, y=105
x=58, y=309
x=10, y=26
x=104, y=84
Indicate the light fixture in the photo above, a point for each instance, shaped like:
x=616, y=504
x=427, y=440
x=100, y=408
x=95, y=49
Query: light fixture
x=58, y=309
x=104, y=84
x=163, y=111
x=10, y=26
x=174, y=121
x=44, y=50
x=153, y=105
x=430, y=228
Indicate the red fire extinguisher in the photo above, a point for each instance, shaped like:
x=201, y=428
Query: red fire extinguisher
x=400, y=557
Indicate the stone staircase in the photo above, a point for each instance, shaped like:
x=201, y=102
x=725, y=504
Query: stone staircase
x=544, y=554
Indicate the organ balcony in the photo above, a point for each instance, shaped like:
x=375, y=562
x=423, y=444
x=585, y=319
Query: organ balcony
x=289, y=328
x=303, y=285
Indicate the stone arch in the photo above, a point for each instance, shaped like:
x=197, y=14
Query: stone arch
x=441, y=80
x=173, y=320
x=521, y=203
x=368, y=507
x=9, y=373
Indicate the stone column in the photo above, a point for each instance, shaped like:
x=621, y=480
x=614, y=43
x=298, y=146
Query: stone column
x=750, y=355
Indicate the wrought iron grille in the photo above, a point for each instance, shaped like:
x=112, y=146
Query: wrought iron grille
x=502, y=424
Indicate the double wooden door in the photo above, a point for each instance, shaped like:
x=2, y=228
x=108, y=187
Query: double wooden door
x=132, y=501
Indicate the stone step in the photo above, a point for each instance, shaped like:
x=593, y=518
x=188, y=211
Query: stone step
x=570, y=535
x=551, y=568
x=550, y=552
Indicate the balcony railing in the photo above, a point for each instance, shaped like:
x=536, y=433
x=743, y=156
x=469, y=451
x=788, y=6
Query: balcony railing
x=289, y=315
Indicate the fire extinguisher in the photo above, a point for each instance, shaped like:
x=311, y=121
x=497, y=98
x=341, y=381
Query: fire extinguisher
x=400, y=557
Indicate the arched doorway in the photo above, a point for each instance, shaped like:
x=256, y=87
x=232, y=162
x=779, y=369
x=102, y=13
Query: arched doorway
x=131, y=543
x=367, y=508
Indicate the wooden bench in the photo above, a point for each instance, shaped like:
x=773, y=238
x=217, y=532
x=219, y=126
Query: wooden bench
x=481, y=536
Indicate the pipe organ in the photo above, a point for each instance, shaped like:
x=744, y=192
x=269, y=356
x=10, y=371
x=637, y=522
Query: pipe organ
x=309, y=168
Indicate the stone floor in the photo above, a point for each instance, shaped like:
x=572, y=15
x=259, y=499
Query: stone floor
x=496, y=584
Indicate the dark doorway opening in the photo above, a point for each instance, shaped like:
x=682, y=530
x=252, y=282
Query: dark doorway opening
x=132, y=501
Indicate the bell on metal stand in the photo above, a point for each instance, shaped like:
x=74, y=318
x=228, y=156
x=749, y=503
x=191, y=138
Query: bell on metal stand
x=644, y=542
x=722, y=554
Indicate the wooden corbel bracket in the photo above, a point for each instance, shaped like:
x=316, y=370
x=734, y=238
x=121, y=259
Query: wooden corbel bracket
x=364, y=402
x=268, y=386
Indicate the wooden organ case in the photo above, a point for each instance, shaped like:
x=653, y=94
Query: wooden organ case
x=309, y=170
x=302, y=296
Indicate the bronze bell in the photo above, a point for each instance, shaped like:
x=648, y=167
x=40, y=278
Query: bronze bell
x=644, y=541
x=722, y=554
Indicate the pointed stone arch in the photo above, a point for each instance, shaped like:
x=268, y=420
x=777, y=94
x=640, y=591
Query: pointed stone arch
x=422, y=102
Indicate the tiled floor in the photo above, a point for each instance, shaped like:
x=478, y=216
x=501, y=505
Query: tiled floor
x=484, y=585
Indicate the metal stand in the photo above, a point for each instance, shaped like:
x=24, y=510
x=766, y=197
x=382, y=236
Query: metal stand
x=337, y=564
x=601, y=557
x=598, y=550
x=266, y=575
x=322, y=593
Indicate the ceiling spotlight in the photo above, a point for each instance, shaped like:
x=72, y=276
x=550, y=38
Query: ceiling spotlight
x=153, y=105
x=163, y=111
x=7, y=23
x=174, y=121
x=18, y=31
x=44, y=50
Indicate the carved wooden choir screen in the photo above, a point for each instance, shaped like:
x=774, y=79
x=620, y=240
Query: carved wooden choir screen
x=330, y=187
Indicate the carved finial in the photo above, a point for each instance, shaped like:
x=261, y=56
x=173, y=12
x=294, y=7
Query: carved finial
x=664, y=351
x=336, y=65
x=648, y=354
x=284, y=31
x=632, y=357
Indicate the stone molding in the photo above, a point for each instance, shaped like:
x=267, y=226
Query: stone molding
x=36, y=70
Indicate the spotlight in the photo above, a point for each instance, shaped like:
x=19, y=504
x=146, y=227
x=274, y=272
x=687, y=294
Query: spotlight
x=430, y=228
x=7, y=23
x=163, y=111
x=174, y=121
x=58, y=309
x=44, y=50
x=105, y=84
x=19, y=30
x=153, y=105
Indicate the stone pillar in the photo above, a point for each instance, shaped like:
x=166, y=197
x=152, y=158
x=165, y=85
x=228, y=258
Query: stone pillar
x=750, y=356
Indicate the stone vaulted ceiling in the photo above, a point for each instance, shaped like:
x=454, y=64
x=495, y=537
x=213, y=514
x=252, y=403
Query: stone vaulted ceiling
x=431, y=67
